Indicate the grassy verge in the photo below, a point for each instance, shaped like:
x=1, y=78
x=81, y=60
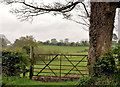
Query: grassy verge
x=26, y=82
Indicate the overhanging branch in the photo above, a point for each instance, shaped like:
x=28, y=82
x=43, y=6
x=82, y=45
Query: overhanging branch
x=62, y=9
x=29, y=10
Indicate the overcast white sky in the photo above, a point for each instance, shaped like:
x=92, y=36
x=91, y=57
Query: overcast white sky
x=43, y=27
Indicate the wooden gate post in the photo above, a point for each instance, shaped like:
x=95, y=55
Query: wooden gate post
x=24, y=72
x=60, y=65
x=31, y=61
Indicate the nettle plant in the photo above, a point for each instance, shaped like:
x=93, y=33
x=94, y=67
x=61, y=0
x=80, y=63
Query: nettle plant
x=106, y=64
x=14, y=62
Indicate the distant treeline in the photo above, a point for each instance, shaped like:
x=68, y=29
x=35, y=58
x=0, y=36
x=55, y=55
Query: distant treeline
x=64, y=42
x=30, y=41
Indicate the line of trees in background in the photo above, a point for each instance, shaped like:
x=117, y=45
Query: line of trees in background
x=64, y=42
x=30, y=41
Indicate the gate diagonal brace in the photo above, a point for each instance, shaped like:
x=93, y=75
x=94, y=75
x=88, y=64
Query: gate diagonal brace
x=48, y=67
x=47, y=64
x=74, y=66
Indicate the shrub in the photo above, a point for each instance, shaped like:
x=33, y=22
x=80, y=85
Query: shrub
x=107, y=65
x=102, y=81
x=14, y=62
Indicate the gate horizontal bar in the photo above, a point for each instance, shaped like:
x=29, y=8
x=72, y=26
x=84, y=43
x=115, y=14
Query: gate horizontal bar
x=59, y=69
x=59, y=65
x=60, y=54
x=65, y=73
x=66, y=60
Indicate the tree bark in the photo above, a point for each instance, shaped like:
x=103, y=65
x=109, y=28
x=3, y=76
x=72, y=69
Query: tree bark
x=100, y=31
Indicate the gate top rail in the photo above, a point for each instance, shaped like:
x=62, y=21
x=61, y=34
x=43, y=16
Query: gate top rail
x=61, y=54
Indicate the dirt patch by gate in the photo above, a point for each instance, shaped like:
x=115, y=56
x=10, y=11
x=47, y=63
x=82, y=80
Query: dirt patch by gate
x=71, y=77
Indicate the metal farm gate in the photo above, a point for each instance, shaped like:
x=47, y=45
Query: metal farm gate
x=55, y=67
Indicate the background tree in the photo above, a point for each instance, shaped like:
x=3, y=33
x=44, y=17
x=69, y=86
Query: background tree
x=22, y=41
x=25, y=43
x=61, y=43
x=4, y=41
x=66, y=41
x=53, y=41
x=46, y=42
x=72, y=44
x=84, y=43
x=101, y=21
x=40, y=43
x=77, y=44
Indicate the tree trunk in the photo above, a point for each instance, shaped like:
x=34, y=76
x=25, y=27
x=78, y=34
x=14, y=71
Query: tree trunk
x=100, y=31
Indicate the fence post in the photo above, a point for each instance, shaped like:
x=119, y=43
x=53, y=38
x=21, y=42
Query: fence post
x=60, y=66
x=31, y=61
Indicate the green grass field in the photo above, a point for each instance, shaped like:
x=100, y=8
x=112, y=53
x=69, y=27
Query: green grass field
x=66, y=49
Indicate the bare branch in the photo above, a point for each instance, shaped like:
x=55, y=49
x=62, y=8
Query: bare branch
x=85, y=9
x=29, y=10
x=66, y=8
x=62, y=9
x=57, y=6
x=86, y=22
x=87, y=25
x=85, y=29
